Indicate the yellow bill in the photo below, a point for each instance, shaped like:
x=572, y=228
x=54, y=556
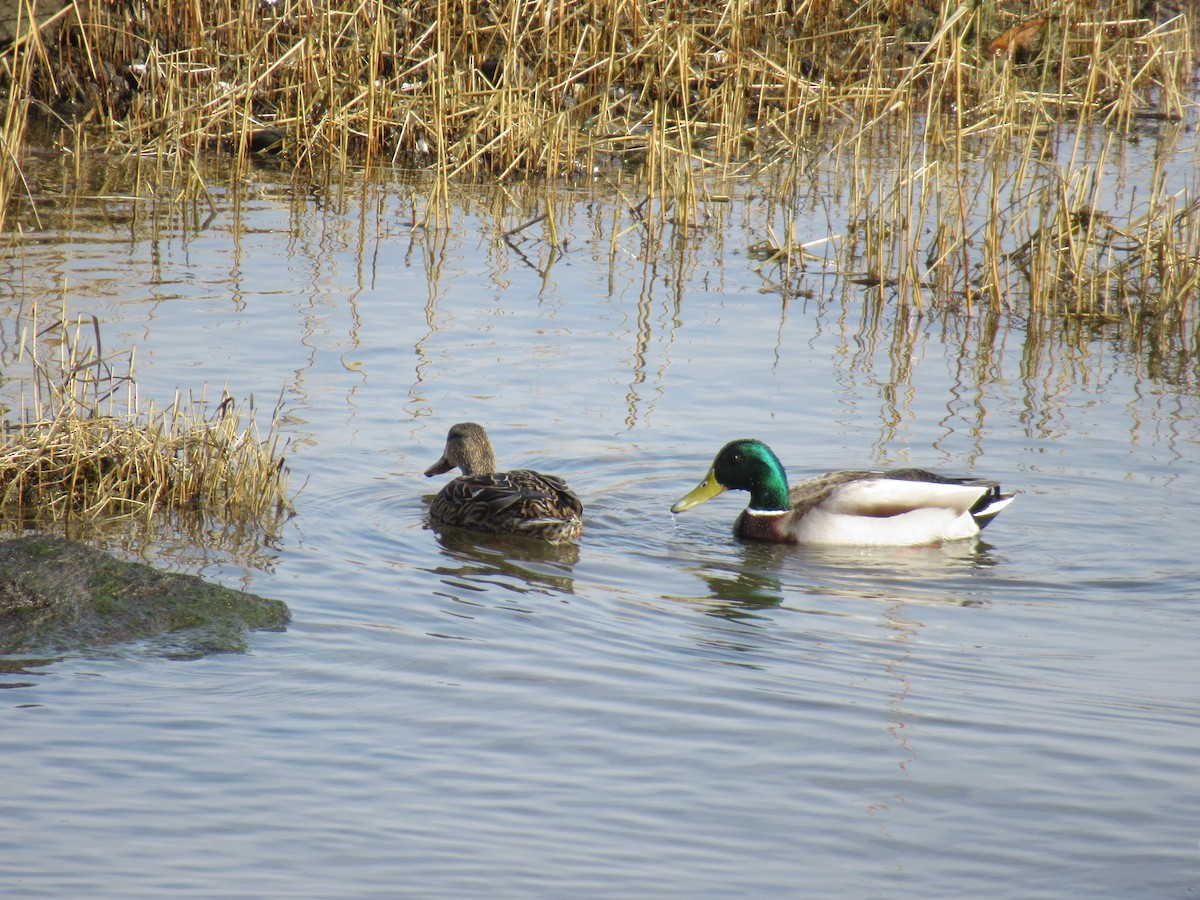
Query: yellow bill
x=705, y=490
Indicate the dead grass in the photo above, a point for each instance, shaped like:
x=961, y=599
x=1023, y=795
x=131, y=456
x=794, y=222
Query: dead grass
x=937, y=118
x=535, y=87
x=82, y=452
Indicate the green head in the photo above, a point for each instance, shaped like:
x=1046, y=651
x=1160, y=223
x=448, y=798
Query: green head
x=743, y=465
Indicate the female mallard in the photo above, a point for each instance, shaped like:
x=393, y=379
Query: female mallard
x=518, y=502
x=903, y=507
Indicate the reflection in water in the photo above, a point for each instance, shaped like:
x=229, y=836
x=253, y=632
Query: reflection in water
x=337, y=236
x=178, y=540
x=760, y=584
x=18, y=666
x=762, y=576
x=521, y=564
x=737, y=595
x=432, y=245
x=902, y=638
x=742, y=588
x=971, y=348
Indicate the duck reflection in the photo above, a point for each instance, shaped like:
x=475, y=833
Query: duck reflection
x=856, y=618
x=480, y=561
x=742, y=588
x=763, y=576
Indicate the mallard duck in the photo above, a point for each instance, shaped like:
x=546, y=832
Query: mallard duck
x=518, y=502
x=902, y=507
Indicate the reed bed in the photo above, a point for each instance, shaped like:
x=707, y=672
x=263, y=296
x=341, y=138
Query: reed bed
x=78, y=457
x=544, y=87
x=969, y=226
x=932, y=114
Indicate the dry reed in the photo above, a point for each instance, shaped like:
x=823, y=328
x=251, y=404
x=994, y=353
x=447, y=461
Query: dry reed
x=77, y=455
x=963, y=209
x=523, y=87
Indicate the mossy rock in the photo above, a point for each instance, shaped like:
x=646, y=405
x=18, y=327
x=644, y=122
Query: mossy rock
x=57, y=594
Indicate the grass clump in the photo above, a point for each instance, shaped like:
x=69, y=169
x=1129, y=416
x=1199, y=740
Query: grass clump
x=75, y=459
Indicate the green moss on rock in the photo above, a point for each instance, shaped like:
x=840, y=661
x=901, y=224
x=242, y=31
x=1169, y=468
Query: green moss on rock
x=57, y=594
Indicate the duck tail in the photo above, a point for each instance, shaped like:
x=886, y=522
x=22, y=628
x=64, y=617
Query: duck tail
x=990, y=505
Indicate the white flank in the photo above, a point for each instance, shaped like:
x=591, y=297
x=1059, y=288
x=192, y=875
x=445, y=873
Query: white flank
x=920, y=526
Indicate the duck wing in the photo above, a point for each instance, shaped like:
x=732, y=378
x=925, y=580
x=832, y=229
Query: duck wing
x=895, y=492
x=520, y=501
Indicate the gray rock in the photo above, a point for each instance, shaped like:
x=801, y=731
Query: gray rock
x=57, y=594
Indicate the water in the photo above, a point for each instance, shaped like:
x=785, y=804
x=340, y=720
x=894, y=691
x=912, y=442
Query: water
x=662, y=711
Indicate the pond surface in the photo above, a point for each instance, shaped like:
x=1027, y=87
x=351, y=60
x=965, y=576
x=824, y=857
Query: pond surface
x=662, y=710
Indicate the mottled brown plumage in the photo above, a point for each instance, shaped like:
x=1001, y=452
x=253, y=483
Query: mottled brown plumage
x=518, y=502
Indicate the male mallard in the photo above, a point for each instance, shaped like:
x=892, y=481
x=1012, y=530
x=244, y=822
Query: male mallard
x=518, y=502
x=903, y=507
